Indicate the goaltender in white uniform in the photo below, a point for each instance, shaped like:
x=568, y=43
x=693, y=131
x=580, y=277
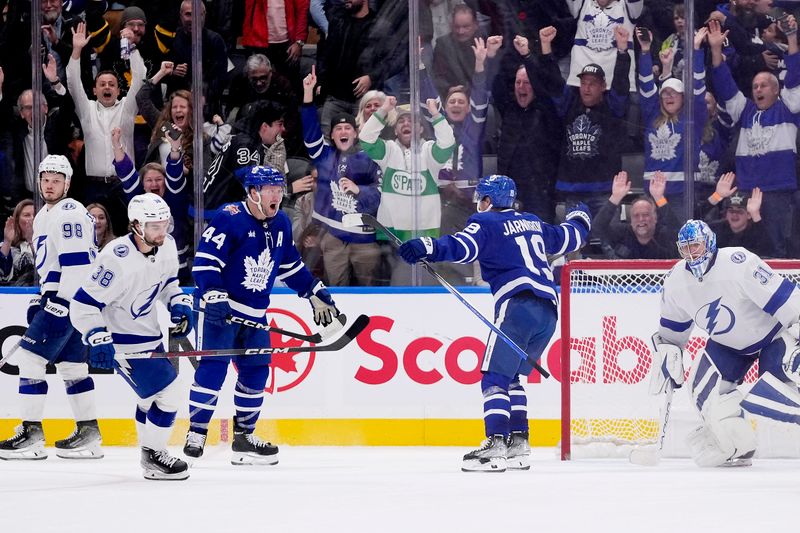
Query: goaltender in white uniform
x=750, y=314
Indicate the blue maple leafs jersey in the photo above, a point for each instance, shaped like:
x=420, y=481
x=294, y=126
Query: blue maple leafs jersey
x=121, y=291
x=244, y=256
x=512, y=249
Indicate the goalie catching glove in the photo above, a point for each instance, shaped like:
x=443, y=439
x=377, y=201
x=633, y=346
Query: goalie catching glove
x=321, y=303
x=667, y=365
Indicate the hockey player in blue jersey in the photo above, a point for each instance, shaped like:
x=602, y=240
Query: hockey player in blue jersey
x=245, y=248
x=63, y=237
x=511, y=248
x=750, y=314
x=115, y=310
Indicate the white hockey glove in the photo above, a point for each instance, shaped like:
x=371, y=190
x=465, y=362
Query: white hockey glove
x=791, y=357
x=322, y=304
x=667, y=365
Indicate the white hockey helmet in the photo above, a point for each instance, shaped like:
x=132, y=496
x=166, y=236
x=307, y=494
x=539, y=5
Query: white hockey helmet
x=148, y=207
x=58, y=164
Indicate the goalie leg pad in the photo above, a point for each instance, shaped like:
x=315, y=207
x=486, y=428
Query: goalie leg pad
x=771, y=398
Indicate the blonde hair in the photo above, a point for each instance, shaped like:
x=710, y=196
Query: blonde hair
x=391, y=118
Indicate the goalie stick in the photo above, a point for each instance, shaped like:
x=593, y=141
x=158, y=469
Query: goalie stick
x=651, y=455
x=359, y=325
x=316, y=338
x=365, y=219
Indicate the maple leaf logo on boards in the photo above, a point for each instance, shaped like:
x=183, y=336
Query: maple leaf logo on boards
x=288, y=370
x=257, y=271
x=664, y=143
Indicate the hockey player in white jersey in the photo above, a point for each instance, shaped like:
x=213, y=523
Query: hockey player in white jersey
x=748, y=312
x=512, y=248
x=64, y=246
x=115, y=310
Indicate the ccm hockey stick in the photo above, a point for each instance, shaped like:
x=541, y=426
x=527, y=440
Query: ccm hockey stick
x=359, y=325
x=316, y=338
x=364, y=219
x=651, y=455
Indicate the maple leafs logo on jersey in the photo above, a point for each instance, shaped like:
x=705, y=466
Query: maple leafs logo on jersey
x=759, y=138
x=583, y=138
x=708, y=168
x=342, y=201
x=664, y=143
x=600, y=30
x=257, y=271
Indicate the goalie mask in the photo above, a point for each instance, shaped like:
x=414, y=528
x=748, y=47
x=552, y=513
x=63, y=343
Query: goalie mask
x=501, y=190
x=697, y=245
x=153, y=217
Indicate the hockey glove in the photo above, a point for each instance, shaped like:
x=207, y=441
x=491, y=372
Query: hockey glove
x=580, y=213
x=322, y=303
x=34, y=307
x=415, y=249
x=791, y=357
x=101, y=348
x=56, y=314
x=180, y=313
x=667, y=365
x=215, y=307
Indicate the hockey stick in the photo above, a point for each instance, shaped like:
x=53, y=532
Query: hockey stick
x=364, y=219
x=651, y=455
x=351, y=333
x=316, y=338
x=5, y=358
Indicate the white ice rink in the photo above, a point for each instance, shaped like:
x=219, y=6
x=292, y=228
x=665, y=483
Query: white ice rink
x=353, y=489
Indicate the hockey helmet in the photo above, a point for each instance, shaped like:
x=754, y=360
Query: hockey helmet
x=690, y=236
x=262, y=175
x=148, y=207
x=58, y=164
x=500, y=189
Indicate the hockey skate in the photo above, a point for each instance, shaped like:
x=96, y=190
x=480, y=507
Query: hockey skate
x=195, y=442
x=519, y=451
x=160, y=465
x=27, y=443
x=84, y=443
x=248, y=449
x=490, y=457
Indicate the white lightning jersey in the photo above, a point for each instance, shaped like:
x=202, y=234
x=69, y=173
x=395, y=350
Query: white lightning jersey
x=121, y=291
x=64, y=247
x=741, y=302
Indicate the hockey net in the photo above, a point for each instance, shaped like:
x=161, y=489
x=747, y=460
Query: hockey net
x=609, y=311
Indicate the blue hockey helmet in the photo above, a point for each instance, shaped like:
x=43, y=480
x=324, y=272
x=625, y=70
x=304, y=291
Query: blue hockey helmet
x=697, y=244
x=500, y=189
x=259, y=176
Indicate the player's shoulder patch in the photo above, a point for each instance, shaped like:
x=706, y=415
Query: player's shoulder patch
x=232, y=209
x=738, y=257
x=121, y=250
x=69, y=205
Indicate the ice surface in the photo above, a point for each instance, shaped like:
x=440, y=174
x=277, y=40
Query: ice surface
x=355, y=489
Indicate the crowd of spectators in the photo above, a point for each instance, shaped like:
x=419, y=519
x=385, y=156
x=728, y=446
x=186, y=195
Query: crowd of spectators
x=596, y=101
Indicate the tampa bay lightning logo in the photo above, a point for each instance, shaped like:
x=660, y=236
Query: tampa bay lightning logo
x=715, y=318
x=41, y=250
x=142, y=305
x=738, y=257
x=121, y=250
x=68, y=205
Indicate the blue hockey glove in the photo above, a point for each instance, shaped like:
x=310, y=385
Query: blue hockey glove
x=101, y=348
x=322, y=303
x=56, y=314
x=34, y=307
x=415, y=249
x=580, y=213
x=181, y=314
x=215, y=307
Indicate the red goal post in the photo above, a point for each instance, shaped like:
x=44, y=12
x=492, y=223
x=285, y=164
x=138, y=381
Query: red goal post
x=609, y=310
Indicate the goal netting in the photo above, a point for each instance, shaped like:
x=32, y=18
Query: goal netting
x=609, y=311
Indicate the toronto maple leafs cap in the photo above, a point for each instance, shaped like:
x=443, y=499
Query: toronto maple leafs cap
x=737, y=200
x=343, y=118
x=594, y=69
x=672, y=83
